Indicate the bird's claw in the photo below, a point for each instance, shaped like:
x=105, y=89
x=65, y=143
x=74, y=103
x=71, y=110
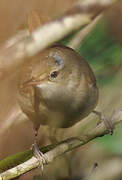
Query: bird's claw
x=39, y=155
x=107, y=121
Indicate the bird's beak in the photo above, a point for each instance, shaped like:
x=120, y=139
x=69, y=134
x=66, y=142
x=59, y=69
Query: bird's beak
x=36, y=80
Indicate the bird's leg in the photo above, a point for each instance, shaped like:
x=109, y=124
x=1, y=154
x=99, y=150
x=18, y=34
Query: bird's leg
x=37, y=153
x=107, y=121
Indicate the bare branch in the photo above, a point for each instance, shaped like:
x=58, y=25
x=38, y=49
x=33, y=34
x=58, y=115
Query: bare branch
x=16, y=38
x=41, y=38
x=12, y=55
x=80, y=36
x=61, y=148
x=87, y=3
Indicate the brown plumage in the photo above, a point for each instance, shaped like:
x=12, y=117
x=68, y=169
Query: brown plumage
x=57, y=88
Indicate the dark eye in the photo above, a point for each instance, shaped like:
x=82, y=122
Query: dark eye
x=54, y=74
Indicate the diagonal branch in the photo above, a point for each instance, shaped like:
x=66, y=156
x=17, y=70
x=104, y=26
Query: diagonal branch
x=14, y=54
x=82, y=34
x=61, y=148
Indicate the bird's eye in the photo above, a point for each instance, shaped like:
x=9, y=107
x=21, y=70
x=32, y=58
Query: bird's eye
x=54, y=74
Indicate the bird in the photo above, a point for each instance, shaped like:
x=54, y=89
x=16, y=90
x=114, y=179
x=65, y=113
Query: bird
x=57, y=88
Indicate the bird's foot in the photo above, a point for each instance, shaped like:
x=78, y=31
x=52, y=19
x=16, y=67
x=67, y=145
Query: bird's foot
x=107, y=121
x=39, y=155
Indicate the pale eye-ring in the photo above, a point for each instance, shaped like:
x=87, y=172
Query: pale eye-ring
x=54, y=74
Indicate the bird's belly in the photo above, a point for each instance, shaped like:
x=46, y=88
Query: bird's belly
x=54, y=119
x=65, y=112
x=62, y=119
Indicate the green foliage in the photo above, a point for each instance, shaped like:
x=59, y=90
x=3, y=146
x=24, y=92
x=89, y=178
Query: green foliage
x=99, y=47
x=101, y=50
x=112, y=144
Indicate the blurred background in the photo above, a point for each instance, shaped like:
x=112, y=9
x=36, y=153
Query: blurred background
x=102, y=48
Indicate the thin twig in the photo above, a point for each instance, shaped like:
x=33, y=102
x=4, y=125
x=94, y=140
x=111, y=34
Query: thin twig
x=87, y=3
x=61, y=148
x=81, y=35
x=13, y=56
